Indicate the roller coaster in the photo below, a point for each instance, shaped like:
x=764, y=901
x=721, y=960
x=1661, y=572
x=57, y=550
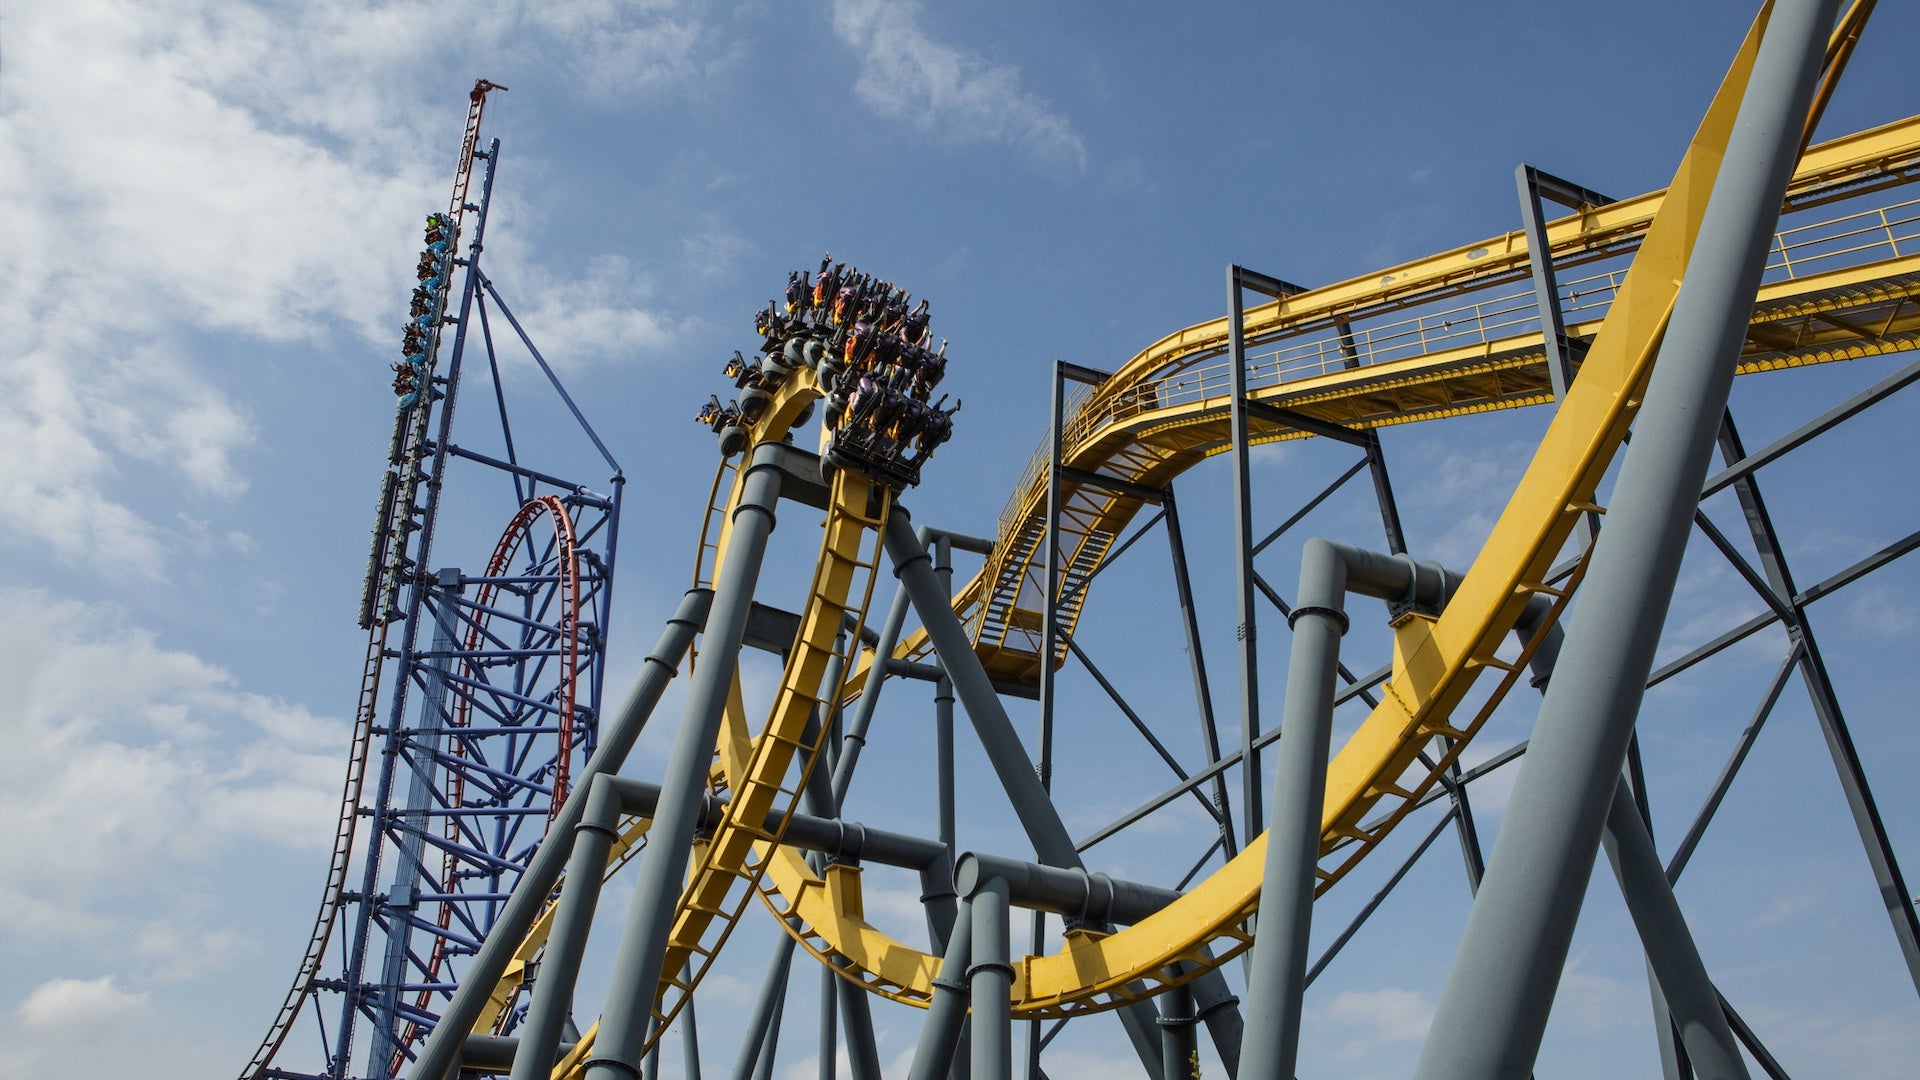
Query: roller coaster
x=1630, y=317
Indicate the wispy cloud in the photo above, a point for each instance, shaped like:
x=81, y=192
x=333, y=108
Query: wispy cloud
x=948, y=92
x=218, y=172
x=109, y=783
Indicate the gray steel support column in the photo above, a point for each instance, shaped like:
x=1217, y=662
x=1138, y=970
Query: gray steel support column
x=755, y=1042
x=690, y=1036
x=862, y=719
x=1038, y=816
x=827, y=1060
x=1250, y=815
x=637, y=964
x=1203, y=693
x=567, y=942
x=1683, y=984
x=933, y=1056
x=770, y=1052
x=1002, y=744
x=1498, y=994
x=1220, y=1011
x=856, y=1021
x=1276, y=979
x=943, y=713
x=1179, y=1048
x=530, y=893
x=990, y=983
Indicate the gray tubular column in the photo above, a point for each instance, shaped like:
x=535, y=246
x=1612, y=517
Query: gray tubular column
x=869, y=697
x=1179, y=1049
x=1683, y=981
x=773, y=990
x=1009, y=757
x=636, y=969
x=828, y=1056
x=933, y=1057
x=437, y=1055
x=1038, y=817
x=990, y=983
x=567, y=943
x=1498, y=994
x=1277, y=976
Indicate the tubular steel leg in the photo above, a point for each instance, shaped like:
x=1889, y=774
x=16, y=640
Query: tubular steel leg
x=1494, y=1008
x=1277, y=977
x=1683, y=982
x=1179, y=1049
x=990, y=982
x=543, y=871
x=637, y=965
x=828, y=1058
x=770, y=1052
x=869, y=697
x=933, y=1057
x=1038, y=816
x=754, y=1043
x=856, y=1021
x=567, y=941
x=943, y=714
x=690, y=1036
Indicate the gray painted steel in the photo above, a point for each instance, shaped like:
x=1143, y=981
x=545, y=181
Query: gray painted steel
x=1683, y=985
x=637, y=964
x=1494, y=1008
x=1250, y=814
x=1276, y=977
x=933, y=1056
x=567, y=941
x=990, y=983
x=438, y=1053
x=756, y=1041
x=1179, y=1048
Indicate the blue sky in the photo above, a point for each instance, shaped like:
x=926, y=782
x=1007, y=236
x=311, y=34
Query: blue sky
x=210, y=214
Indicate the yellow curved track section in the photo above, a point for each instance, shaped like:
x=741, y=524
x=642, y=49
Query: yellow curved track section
x=1165, y=410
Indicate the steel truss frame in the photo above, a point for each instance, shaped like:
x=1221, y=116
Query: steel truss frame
x=494, y=703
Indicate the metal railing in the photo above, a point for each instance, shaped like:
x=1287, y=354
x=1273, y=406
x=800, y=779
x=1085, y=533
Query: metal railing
x=1855, y=239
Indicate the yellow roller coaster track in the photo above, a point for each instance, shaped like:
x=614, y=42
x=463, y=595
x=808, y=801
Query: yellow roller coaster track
x=1839, y=289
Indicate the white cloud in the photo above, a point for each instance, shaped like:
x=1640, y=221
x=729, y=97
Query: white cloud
x=226, y=174
x=1390, y=1014
x=907, y=75
x=76, y=1003
x=130, y=763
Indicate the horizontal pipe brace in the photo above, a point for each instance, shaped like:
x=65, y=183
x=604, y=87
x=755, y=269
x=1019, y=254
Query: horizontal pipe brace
x=831, y=837
x=1072, y=892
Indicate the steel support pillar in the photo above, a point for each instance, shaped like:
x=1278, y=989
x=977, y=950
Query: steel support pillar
x=934, y=1057
x=1038, y=816
x=1494, y=1009
x=757, y=1041
x=617, y=737
x=637, y=964
x=1683, y=988
x=990, y=982
x=1276, y=978
x=567, y=942
x=1179, y=1049
x=1250, y=809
